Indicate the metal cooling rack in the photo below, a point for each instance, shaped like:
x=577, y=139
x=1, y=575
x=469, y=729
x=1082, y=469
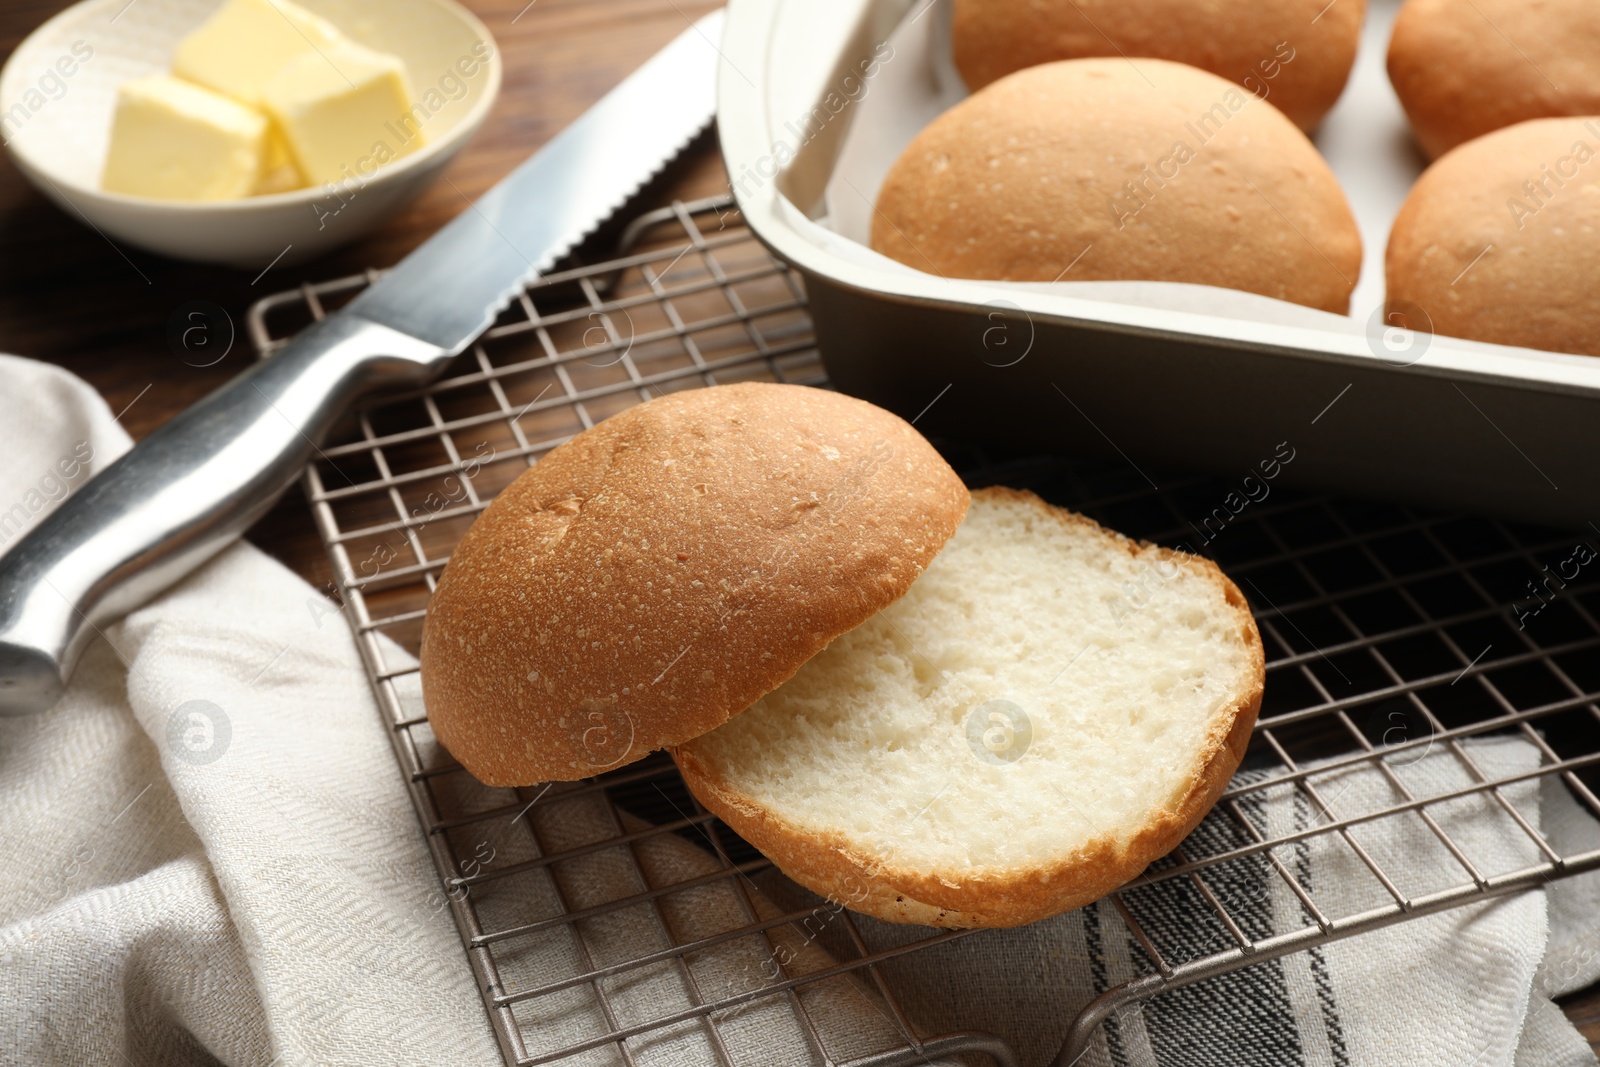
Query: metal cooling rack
x=1389, y=633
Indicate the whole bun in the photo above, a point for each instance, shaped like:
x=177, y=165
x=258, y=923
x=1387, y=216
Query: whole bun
x=659, y=573
x=1295, y=53
x=1465, y=67
x=1500, y=240
x=1090, y=169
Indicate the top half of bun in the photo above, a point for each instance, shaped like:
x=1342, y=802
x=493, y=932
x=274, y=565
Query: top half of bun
x=1295, y=53
x=659, y=573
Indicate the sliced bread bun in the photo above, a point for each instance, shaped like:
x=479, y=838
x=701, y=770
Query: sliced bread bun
x=1050, y=708
x=1096, y=170
x=659, y=573
x=1465, y=67
x=1295, y=53
x=1499, y=240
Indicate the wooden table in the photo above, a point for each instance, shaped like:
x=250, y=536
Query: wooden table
x=68, y=297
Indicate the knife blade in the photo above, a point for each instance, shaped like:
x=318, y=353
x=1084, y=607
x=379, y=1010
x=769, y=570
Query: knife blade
x=196, y=483
x=450, y=289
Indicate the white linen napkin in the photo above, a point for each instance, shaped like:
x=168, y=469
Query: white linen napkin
x=209, y=854
x=210, y=857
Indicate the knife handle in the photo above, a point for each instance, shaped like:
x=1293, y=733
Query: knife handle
x=181, y=495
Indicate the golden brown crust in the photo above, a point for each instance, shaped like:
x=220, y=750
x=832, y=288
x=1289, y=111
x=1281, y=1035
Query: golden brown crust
x=1499, y=240
x=1463, y=68
x=843, y=871
x=1091, y=170
x=658, y=574
x=1297, y=54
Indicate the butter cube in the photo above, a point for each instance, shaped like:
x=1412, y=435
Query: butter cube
x=246, y=42
x=278, y=172
x=176, y=141
x=345, y=111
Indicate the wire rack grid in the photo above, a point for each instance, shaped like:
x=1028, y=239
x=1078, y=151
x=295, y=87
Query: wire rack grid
x=1392, y=637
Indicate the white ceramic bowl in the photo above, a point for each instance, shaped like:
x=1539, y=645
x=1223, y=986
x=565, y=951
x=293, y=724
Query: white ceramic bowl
x=58, y=91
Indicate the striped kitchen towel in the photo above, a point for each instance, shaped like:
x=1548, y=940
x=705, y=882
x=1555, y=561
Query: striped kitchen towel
x=1469, y=987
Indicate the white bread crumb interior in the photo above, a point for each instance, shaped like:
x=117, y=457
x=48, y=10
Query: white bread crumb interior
x=1116, y=668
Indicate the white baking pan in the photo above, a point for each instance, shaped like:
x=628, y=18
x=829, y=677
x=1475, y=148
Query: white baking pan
x=816, y=99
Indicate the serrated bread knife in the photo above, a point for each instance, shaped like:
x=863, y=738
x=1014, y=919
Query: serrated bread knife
x=199, y=481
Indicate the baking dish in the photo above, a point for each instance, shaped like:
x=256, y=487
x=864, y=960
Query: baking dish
x=1155, y=374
